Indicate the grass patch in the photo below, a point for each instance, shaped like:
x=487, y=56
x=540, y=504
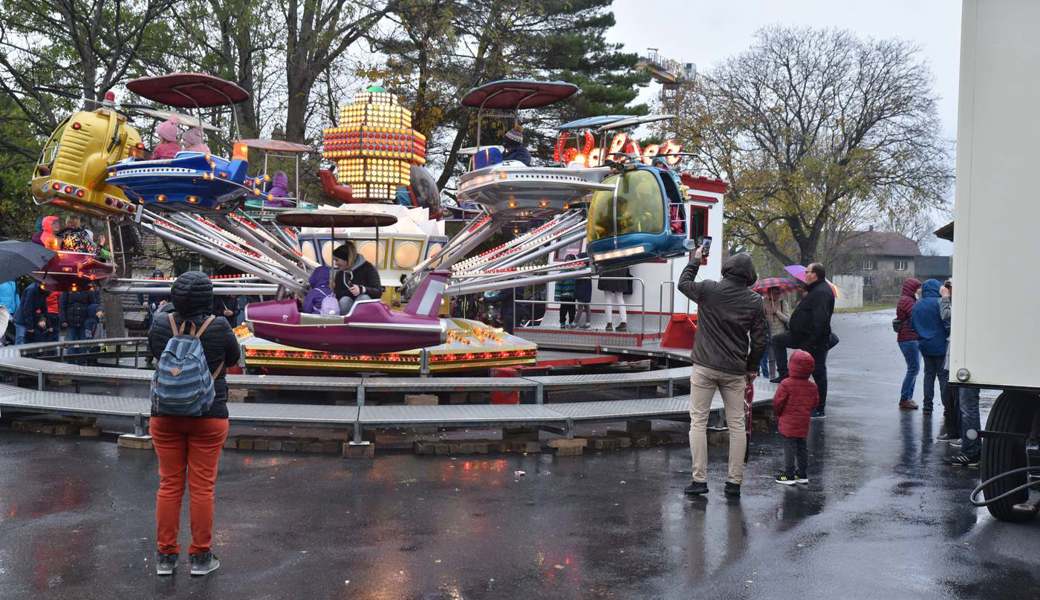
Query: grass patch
x=865, y=308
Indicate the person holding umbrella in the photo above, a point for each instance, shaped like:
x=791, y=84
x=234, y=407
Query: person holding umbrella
x=18, y=259
x=810, y=330
x=773, y=291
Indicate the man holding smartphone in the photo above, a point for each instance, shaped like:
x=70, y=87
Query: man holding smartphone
x=730, y=340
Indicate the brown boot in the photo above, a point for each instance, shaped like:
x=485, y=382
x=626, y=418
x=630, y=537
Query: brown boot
x=907, y=405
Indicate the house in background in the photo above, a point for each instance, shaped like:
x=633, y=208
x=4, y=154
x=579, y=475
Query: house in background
x=883, y=259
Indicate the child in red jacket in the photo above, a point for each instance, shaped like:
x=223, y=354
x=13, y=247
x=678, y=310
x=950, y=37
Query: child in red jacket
x=793, y=404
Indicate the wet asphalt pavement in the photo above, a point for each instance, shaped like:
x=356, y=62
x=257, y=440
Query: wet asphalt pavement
x=883, y=517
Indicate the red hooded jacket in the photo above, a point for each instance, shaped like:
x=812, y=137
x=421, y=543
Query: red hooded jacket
x=903, y=309
x=796, y=397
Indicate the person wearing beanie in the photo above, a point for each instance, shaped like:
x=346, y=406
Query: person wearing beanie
x=168, y=145
x=355, y=278
x=189, y=448
x=195, y=141
x=513, y=142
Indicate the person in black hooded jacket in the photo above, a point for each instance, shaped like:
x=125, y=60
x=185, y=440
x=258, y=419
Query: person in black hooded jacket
x=189, y=447
x=730, y=340
x=355, y=278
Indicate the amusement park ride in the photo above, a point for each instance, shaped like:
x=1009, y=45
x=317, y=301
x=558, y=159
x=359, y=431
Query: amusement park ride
x=617, y=205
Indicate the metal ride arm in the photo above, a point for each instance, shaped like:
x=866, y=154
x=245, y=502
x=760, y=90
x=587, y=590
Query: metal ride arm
x=189, y=239
x=558, y=225
x=293, y=267
x=461, y=243
x=484, y=286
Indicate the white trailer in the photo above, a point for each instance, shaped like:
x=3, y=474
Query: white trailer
x=996, y=292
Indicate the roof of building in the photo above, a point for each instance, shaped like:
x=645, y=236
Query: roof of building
x=882, y=243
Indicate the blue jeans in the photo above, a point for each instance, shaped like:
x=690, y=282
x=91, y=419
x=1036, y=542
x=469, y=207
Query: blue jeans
x=913, y=366
x=75, y=334
x=19, y=334
x=933, y=369
x=969, y=400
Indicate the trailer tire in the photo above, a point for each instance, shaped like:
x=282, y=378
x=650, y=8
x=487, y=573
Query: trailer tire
x=1012, y=412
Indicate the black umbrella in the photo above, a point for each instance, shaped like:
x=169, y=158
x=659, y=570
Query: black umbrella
x=18, y=258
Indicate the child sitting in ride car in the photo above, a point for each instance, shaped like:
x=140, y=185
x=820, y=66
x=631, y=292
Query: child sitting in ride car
x=195, y=141
x=169, y=145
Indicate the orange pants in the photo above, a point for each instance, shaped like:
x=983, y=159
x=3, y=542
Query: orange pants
x=188, y=449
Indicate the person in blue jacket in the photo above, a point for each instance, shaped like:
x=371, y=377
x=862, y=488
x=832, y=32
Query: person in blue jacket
x=513, y=142
x=10, y=301
x=933, y=331
x=32, y=309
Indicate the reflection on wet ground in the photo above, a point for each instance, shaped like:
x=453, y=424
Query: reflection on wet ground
x=881, y=517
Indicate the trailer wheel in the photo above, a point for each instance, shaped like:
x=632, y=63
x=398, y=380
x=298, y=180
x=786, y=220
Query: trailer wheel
x=1012, y=412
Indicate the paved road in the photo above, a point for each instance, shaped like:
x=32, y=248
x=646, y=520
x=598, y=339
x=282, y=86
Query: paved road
x=882, y=518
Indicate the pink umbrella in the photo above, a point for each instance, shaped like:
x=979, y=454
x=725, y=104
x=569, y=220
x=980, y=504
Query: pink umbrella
x=798, y=272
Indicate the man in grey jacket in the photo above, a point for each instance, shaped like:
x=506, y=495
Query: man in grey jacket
x=730, y=340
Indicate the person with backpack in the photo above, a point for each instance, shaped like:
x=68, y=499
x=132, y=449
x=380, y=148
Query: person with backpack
x=321, y=300
x=189, y=421
x=907, y=338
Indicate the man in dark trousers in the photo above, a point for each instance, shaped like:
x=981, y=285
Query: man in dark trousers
x=809, y=330
x=730, y=340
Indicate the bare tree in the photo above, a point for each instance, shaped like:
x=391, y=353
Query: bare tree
x=817, y=132
x=318, y=33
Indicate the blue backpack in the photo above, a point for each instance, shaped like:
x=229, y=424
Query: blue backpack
x=182, y=385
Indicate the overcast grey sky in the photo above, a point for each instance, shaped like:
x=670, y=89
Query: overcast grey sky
x=705, y=32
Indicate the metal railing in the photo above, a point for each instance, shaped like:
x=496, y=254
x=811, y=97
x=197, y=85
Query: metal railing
x=627, y=305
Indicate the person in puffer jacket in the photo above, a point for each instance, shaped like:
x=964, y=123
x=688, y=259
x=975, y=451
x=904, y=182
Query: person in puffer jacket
x=565, y=296
x=793, y=404
x=320, y=289
x=189, y=447
x=933, y=332
x=74, y=309
x=907, y=339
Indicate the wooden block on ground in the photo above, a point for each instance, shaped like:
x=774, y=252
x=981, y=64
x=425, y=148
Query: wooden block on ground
x=424, y=448
x=331, y=446
x=360, y=450
x=315, y=447
x=442, y=449
x=641, y=440
x=89, y=431
x=136, y=442
x=275, y=445
x=421, y=399
x=245, y=444
x=290, y=446
x=568, y=446
x=261, y=444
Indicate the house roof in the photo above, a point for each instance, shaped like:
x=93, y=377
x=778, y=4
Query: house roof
x=882, y=243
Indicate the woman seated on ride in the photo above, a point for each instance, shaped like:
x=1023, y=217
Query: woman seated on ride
x=195, y=141
x=278, y=195
x=355, y=278
x=315, y=301
x=168, y=145
x=514, y=145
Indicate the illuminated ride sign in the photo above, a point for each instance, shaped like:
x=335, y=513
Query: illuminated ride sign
x=586, y=153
